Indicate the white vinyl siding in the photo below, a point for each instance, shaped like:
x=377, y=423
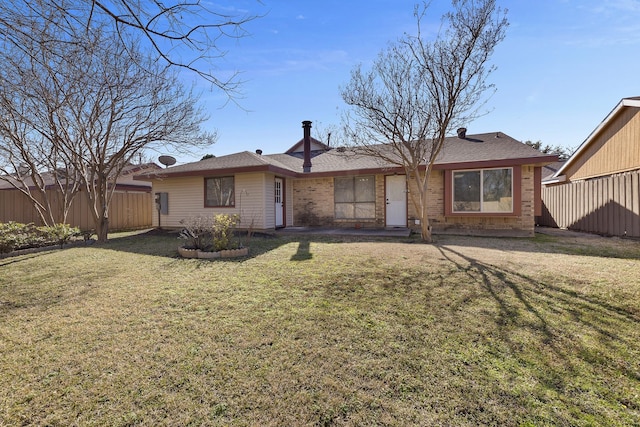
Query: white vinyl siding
x=186, y=199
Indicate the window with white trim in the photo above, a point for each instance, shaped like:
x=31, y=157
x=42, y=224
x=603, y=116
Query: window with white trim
x=483, y=190
x=355, y=197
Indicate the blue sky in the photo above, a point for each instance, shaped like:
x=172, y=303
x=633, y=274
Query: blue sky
x=561, y=69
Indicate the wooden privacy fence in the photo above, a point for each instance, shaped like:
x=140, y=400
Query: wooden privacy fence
x=128, y=210
x=608, y=205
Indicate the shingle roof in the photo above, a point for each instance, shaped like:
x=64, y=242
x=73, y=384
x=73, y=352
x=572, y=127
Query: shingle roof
x=127, y=177
x=474, y=149
x=549, y=170
x=231, y=161
x=486, y=147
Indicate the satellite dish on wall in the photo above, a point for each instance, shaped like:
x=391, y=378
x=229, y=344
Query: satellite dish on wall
x=167, y=160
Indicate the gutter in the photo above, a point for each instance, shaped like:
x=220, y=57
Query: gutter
x=555, y=180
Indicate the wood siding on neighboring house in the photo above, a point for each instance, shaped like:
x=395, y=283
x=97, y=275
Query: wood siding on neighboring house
x=615, y=149
x=597, y=190
x=128, y=210
x=608, y=205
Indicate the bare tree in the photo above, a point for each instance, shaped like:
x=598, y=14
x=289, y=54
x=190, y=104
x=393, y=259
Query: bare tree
x=34, y=166
x=330, y=134
x=187, y=34
x=563, y=152
x=31, y=127
x=419, y=90
x=104, y=108
x=129, y=109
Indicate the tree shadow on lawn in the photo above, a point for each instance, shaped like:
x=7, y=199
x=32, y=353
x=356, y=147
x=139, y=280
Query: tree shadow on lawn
x=546, y=350
x=564, y=333
x=165, y=243
x=14, y=259
x=572, y=244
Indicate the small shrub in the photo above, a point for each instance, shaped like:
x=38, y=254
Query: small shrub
x=197, y=232
x=15, y=236
x=210, y=233
x=223, y=225
x=59, y=234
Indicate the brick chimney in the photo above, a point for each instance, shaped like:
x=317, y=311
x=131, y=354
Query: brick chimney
x=306, y=165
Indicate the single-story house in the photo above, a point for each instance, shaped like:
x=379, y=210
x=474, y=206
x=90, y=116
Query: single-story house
x=131, y=206
x=597, y=188
x=481, y=184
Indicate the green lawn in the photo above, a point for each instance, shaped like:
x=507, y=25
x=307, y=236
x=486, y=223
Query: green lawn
x=324, y=331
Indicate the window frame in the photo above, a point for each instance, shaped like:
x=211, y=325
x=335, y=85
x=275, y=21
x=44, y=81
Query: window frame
x=233, y=195
x=516, y=179
x=354, y=203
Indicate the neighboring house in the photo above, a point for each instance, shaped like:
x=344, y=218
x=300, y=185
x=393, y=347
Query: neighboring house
x=487, y=183
x=548, y=171
x=597, y=189
x=131, y=206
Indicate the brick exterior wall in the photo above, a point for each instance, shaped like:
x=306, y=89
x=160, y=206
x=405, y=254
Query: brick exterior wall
x=313, y=205
x=313, y=202
x=523, y=225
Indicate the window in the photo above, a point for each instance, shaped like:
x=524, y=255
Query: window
x=355, y=197
x=219, y=192
x=485, y=190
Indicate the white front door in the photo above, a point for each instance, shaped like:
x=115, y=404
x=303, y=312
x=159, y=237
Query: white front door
x=396, y=199
x=278, y=197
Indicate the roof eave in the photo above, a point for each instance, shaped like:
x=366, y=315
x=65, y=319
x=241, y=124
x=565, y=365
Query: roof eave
x=554, y=180
x=217, y=172
x=536, y=161
x=625, y=102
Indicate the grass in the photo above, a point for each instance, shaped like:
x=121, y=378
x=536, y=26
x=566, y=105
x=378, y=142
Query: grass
x=324, y=331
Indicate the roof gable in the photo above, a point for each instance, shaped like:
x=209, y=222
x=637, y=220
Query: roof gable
x=128, y=177
x=316, y=145
x=633, y=102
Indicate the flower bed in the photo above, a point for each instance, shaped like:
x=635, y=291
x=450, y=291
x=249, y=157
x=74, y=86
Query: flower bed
x=212, y=237
x=200, y=254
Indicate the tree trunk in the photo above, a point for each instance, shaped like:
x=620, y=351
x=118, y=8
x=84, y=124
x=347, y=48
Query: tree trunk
x=102, y=228
x=422, y=183
x=425, y=231
x=425, y=224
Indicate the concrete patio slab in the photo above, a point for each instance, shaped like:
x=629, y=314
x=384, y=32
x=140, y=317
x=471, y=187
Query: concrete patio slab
x=371, y=232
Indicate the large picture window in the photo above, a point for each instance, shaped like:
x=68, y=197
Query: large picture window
x=355, y=197
x=219, y=192
x=485, y=190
